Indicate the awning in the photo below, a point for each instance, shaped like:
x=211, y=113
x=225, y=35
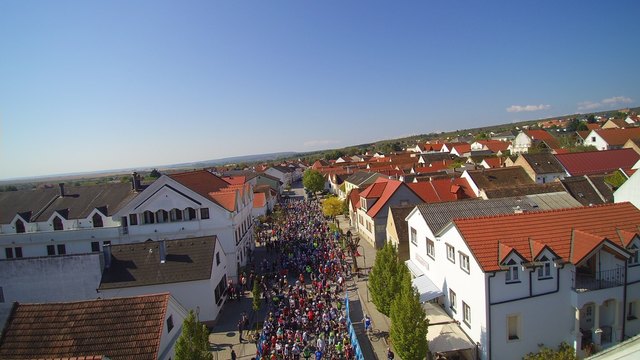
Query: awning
x=426, y=288
x=414, y=269
x=445, y=335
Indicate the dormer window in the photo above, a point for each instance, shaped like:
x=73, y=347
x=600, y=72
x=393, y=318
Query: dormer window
x=19, y=226
x=162, y=216
x=190, y=214
x=544, y=271
x=97, y=220
x=57, y=223
x=513, y=274
x=175, y=215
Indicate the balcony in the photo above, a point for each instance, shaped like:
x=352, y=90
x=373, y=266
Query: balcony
x=585, y=281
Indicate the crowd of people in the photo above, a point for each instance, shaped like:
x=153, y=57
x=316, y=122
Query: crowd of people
x=303, y=286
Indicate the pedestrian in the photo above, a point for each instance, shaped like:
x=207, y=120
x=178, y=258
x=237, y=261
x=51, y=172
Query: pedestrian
x=367, y=323
x=233, y=354
x=390, y=354
x=240, y=327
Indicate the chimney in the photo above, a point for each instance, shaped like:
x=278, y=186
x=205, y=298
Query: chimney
x=61, y=189
x=163, y=252
x=135, y=181
x=106, y=249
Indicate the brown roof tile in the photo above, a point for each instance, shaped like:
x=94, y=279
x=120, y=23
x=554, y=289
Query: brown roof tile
x=121, y=329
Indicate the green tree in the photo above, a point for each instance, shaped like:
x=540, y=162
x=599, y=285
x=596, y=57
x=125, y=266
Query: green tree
x=313, y=180
x=582, y=126
x=193, y=343
x=332, y=206
x=384, y=282
x=408, y=320
x=564, y=352
x=155, y=174
x=256, y=301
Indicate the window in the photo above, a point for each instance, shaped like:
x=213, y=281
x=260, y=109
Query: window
x=106, y=243
x=464, y=262
x=175, y=215
x=513, y=274
x=633, y=260
x=452, y=300
x=8, y=252
x=169, y=323
x=466, y=314
x=217, y=258
x=162, y=216
x=431, y=249
x=544, y=271
x=148, y=218
x=62, y=249
x=97, y=220
x=631, y=311
x=513, y=327
x=204, y=213
x=414, y=236
x=18, y=251
x=19, y=226
x=95, y=246
x=57, y=223
x=451, y=253
x=220, y=289
x=191, y=214
x=51, y=250
x=133, y=219
x=593, y=139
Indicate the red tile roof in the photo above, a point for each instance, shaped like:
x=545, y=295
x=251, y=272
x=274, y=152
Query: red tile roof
x=493, y=162
x=495, y=145
x=617, y=137
x=593, y=126
x=597, y=162
x=235, y=180
x=382, y=189
x=259, y=200
x=461, y=148
x=121, y=329
x=354, y=198
x=439, y=190
x=554, y=229
x=542, y=135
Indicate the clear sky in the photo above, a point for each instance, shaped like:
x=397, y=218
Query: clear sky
x=93, y=85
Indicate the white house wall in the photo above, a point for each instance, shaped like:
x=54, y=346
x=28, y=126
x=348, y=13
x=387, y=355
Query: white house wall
x=51, y=279
x=169, y=337
x=629, y=191
x=469, y=287
x=191, y=294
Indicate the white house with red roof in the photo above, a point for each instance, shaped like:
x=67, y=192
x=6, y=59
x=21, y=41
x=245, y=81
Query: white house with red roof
x=608, y=139
x=516, y=281
x=534, y=138
x=194, y=204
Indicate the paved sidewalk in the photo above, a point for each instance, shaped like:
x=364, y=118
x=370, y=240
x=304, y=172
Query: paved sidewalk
x=376, y=344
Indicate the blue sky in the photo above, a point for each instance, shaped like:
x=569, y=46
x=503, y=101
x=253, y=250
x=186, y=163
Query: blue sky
x=88, y=85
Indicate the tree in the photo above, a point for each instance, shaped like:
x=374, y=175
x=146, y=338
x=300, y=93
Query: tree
x=409, y=324
x=155, y=174
x=564, y=352
x=256, y=301
x=193, y=343
x=313, y=180
x=384, y=282
x=332, y=206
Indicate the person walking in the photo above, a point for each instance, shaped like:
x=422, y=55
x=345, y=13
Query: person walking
x=240, y=327
x=233, y=355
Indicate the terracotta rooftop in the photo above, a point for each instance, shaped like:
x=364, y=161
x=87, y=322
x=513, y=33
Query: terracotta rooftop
x=617, y=137
x=554, y=229
x=543, y=135
x=209, y=186
x=382, y=190
x=438, y=190
x=259, y=200
x=597, y=162
x=120, y=329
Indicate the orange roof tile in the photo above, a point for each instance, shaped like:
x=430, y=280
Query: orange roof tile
x=597, y=162
x=617, y=137
x=582, y=244
x=235, y=180
x=553, y=229
x=382, y=189
x=259, y=200
x=119, y=328
x=543, y=135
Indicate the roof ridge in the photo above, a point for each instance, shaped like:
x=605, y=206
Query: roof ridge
x=539, y=212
